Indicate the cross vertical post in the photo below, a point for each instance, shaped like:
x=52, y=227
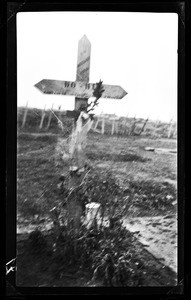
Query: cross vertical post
x=83, y=67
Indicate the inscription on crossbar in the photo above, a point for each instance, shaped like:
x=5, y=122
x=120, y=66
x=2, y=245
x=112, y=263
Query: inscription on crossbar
x=81, y=88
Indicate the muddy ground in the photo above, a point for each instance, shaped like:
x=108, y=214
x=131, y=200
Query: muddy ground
x=149, y=177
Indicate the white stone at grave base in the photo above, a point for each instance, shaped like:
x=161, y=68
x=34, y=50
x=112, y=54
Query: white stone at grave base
x=92, y=213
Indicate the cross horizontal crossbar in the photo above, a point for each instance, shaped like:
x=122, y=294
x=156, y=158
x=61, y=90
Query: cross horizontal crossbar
x=78, y=89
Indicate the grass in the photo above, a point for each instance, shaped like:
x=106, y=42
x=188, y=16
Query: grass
x=124, y=157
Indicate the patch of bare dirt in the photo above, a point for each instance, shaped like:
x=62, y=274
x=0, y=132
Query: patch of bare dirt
x=159, y=235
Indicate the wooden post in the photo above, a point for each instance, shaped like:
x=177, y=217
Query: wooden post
x=116, y=126
x=96, y=123
x=175, y=132
x=83, y=67
x=60, y=116
x=42, y=117
x=133, y=126
x=143, y=127
x=170, y=128
x=82, y=74
x=59, y=112
x=125, y=124
x=103, y=125
x=50, y=117
x=73, y=124
x=113, y=127
x=25, y=115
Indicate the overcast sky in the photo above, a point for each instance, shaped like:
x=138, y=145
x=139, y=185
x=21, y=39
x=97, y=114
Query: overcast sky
x=137, y=51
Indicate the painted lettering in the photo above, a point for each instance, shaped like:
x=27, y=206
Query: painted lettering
x=67, y=84
x=85, y=70
x=87, y=86
x=73, y=85
x=83, y=61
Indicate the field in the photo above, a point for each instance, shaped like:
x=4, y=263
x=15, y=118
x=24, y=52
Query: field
x=146, y=183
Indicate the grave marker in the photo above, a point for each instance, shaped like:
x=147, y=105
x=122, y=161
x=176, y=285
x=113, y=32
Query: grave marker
x=82, y=90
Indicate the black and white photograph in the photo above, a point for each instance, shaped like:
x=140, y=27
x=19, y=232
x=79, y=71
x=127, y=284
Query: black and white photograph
x=97, y=102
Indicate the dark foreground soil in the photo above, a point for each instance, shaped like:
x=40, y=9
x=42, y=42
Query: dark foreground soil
x=38, y=270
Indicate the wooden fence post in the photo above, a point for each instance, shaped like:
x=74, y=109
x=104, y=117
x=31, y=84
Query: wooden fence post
x=113, y=127
x=60, y=116
x=143, y=127
x=42, y=117
x=125, y=124
x=174, y=132
x=133, y=126
x=103, y=125
x=50, y=117
x=96, y=123
x=170, y=129
x=25, y=115
x=116, y=126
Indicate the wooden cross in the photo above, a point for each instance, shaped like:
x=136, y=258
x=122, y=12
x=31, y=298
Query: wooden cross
x=81, y=88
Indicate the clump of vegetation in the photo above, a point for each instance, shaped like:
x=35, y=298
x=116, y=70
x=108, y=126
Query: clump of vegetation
x=109, y=252
x=150, y=196
x=100, y=248
x=106, y=248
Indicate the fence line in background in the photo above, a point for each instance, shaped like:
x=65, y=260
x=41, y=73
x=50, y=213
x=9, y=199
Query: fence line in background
x=124, y=126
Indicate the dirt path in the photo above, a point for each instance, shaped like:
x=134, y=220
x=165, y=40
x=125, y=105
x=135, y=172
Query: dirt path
x=158, y=235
